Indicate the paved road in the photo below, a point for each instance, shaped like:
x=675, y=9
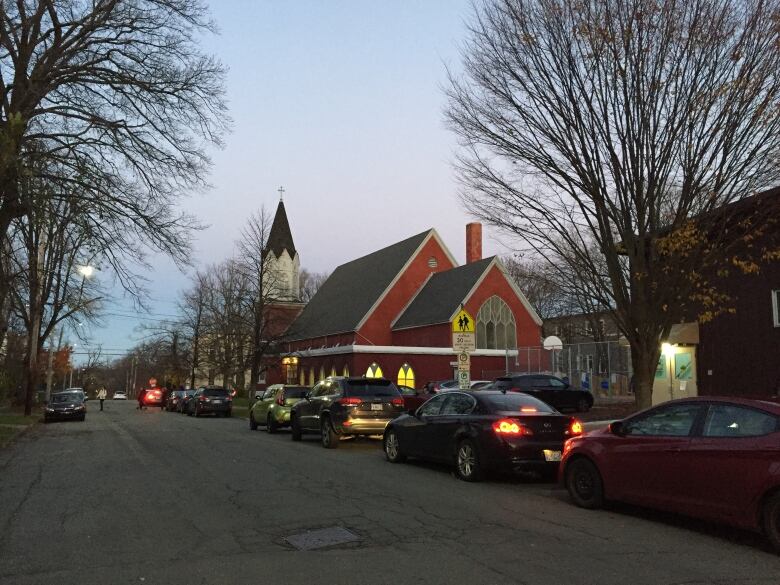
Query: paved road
x=151, y=497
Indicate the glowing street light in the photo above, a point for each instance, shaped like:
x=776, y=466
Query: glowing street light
x=86, y=271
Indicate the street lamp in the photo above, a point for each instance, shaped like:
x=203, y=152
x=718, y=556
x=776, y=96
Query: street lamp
x=86, y=271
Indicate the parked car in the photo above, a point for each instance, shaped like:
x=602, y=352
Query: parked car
x=181, y=405
x=153, y=397
x=481, y=431
x=120, y=395
x=478, y=384
x=441, y=386
x=273, y=407
x=713, y=458
x=413, y=399
x=210, y=400
x=64, y=406
x=172, y=402
x=338, y=407
x=549, y=389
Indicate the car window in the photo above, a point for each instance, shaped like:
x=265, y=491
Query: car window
x=433, y=406
x=317, y=390
x=675, y=420
x=215, y=392
x=725, y=420
x=555, y=383
x=502, y=383
x=514, y=402
x=458, y=403
x=369, y=387
x=295, y=392
x=523, y=381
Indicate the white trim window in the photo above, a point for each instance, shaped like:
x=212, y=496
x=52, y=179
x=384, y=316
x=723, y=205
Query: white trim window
x=776, y=307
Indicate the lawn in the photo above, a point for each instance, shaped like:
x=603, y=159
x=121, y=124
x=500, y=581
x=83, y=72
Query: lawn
x=12, y=423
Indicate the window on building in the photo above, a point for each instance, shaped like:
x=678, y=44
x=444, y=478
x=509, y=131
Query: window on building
x=345, y=371
x=776, y=307
x=302, y=379
x=406, y=376
x=311, y=376
x=374, y=371
x=587, y=329
x=322, y=373
x=333, y=370
x=496, y=327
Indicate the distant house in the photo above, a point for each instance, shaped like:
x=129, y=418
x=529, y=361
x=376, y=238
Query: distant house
x=389, y=314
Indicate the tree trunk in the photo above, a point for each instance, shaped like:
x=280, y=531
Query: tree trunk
x=32, y=359
x=644, y=363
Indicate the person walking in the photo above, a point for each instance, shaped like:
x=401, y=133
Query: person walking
x=101, y=396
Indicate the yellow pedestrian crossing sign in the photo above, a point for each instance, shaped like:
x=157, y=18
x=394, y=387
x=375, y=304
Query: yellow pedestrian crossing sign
x=463, y=322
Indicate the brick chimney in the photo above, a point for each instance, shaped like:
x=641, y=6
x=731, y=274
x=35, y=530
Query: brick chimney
x=473, y=242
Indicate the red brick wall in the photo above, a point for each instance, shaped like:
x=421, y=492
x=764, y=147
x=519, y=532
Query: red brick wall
x=376, y=330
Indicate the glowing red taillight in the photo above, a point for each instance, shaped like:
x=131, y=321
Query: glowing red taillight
x=202, y=398
x=507, y=426
x=397, y=401
x=575, y=428
x=350, y=401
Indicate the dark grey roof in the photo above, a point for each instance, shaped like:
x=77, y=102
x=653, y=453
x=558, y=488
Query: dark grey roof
x=348, y=294
x=280, y=237
x=442, y=295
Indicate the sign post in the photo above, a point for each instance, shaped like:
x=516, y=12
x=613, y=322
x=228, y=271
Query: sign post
x=463, y=343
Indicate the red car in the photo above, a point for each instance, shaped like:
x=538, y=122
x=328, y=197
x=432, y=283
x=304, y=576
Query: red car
x=713, y=458
x=153, y=397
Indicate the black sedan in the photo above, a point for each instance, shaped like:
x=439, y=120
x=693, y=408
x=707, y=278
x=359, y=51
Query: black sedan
x=549, y=389
x=482, y=431
x=65, y=406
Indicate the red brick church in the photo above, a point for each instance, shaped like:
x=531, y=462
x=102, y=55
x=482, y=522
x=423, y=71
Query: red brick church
x=389, y=314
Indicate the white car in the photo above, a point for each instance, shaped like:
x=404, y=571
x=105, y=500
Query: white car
x=119, y=395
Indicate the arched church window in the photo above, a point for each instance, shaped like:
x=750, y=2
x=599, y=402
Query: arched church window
x=374, y=371
x=406, y=376
x=345, y=372
x=322, y=373
x=311, y=376
x=496, y=328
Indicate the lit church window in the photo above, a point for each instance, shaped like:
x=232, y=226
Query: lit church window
x=496, y=327
x=345, y=373
x=406, y=376
x=374, y=371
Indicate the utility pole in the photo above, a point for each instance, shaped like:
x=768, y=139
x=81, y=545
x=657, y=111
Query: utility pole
x=50, y=371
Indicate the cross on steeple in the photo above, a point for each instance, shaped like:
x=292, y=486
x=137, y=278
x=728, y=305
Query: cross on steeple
x=281, y=193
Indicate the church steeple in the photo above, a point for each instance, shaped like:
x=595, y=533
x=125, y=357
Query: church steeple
x=283, y=257
x=280, y=238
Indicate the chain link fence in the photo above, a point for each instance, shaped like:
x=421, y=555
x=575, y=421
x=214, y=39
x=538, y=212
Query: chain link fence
x=603, y=367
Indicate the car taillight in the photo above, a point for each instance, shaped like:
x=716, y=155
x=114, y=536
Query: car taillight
x=350, y=401
x=575, y=428
x=202, y=398
x=511, y=427
x=397, y=401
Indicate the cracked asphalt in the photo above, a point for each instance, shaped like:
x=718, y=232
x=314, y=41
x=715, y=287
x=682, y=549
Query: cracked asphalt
x=153, y=497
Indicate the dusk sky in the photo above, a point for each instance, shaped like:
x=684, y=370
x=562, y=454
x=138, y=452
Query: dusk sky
x=341, y=103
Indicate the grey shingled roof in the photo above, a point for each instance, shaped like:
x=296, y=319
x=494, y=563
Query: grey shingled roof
x=442, y=295
x=280, y=237
x=348, y=294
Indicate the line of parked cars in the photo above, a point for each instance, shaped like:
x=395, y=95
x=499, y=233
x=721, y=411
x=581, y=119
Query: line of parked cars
x=712, y=458
x=214, y=400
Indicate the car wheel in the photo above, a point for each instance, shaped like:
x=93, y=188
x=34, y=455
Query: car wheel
x=467, y=465
x=393, y=448
x=330, y=440
x=583, y=405
x=83, y=417
x=584, y=483
x=295, y=429
x=252, y=422
x=228, y=413
x=271, y=425
x=770, y=514
x=197, y=412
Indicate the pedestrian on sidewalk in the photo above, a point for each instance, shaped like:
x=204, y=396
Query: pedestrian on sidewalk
x=101, y=396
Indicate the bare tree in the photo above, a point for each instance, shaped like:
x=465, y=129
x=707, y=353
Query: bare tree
x=619, y=128
x=311, y=283
x=192, y=306
x=113, y=102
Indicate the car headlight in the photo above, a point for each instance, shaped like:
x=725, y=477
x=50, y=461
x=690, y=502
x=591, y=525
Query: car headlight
x=49, y=409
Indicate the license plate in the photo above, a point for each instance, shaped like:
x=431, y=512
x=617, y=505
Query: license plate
x=217, y=401
x=550, y=455
x=376, y=407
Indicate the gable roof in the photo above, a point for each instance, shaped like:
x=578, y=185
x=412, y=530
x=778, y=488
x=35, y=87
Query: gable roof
x=441, y=295
x=280, y=238
x=347, y=296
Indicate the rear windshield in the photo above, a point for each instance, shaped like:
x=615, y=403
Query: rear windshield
x=296, y=392
x=215, y=392
x=69, y=397
x=370, y=388
x=514, y=402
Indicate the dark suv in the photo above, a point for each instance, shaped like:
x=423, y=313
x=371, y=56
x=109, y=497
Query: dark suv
x=210, y=400
x=549, y=389
x=339, y=407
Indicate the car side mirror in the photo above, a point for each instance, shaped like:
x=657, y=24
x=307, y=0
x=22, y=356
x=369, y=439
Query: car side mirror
x=616, y=428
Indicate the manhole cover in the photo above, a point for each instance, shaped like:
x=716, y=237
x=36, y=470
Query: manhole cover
x=322, y=538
